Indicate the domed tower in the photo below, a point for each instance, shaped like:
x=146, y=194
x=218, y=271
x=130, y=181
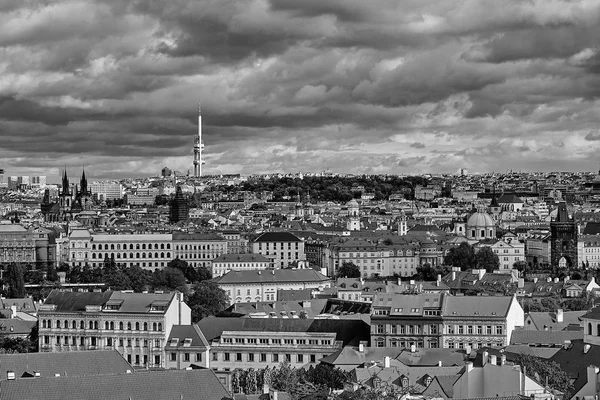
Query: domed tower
x=402, y=224
x=480, y=226
x=353, y=223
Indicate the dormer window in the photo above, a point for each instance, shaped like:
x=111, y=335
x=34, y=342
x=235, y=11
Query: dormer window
x=427, y=380
x=404, y=381
x=174, y=342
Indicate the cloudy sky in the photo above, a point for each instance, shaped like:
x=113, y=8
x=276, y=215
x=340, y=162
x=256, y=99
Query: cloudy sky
x=379, y=86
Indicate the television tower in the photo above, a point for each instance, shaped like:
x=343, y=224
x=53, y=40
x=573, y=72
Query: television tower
x=198, y=147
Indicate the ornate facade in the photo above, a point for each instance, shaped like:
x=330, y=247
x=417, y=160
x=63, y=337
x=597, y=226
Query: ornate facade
x=563, y=236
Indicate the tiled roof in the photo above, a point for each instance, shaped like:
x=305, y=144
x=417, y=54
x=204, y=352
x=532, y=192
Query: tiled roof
x=171, y=384
x=592, y=228
x=404, y=304
x=349, y=331
x=26, y=304
x=428, y=357
x=544, y=337
x=550, y=321
x=196, y=236
x=272, y=276
x=15, y=326
x=183, y=332
x=351, y=356
x=277, y=237
x=75, y=363
x=509, y=198
x=479, y=306
x=574, y=361
x=129, y=302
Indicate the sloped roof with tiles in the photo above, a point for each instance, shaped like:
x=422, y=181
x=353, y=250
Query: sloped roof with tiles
x=171, y=384
x=272, y=276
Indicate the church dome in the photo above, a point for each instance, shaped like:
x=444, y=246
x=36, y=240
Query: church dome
x=480, y=220
x=352, y=203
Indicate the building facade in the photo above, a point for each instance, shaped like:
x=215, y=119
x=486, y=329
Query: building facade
x=282, y=248
x=238, y=262
x=137, y=325
x=198, y=249
x=563, y=236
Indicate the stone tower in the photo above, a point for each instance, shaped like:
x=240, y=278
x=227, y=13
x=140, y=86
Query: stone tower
x=563, y=234
x=179, y=209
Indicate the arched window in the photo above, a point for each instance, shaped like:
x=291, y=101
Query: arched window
x=58, y=324
x=93, y=247
x=143, y=246
x=590, y=328
x=112, y=325
x=150, y=255
x=129, y=326
x=145, y=326
x=137, y=255
x=66, y=324
x=131, y=246
x=106, y=325
x=156, y=246
x=43, y=323
x=106, y=247
x=143, y=255
x=483, y=233
x=81, y=325
x=154, y=326
x=162, y=246
x=121, y=326
x=91, y=325
x=137, y=326
x=168, y=246
x=74, y=325
x=95, y=324
x=168, y=254
x=93, y=255
x=160, y=326
x=112, y=246
x=162, y=255
x=598, y=329
x=155, y=255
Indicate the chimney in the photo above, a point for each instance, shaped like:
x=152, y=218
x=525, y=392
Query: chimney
x=535, y=280
x=493, y=359
x=10, y=375
x=480, y=274
x=399, y=281
x=453, y=275
x=503, y=359
x=555, y=280
x=559, y=315
x=361, y=348
x=566, y=344
x=440, y=363
x=13, y=311
x=386, y=362
x=412, y=281
x=484, y=357
x=548, y=280
x=272, y=272
x=37, y=374
x=259, y=272
x=467, y=349
x=413, y=348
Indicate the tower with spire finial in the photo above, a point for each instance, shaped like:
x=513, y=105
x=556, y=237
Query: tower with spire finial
x=198, y=147
x=84, y=195
x=65, y=197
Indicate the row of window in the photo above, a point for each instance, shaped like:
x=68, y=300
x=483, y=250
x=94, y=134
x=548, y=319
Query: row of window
x=274, y=246
x=131, y=246
x=131, y=255
x=94, y=341
x=198, y=247
x=264, y=357
x=266, y=341
x=187, y=357
x=433, y=329
x=108, y=325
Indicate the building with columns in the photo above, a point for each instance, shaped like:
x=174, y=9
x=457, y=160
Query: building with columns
x=137, y=325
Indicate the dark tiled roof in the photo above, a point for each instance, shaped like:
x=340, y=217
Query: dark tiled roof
x=182, y=332
x=294, y=295
x=15, y=326
x=349, y=331
x=272, y=276
x=75, y=363
x=277, y=237
x=575, y=362
x=172, y=384
x=509, y=198
x=544, y=337
x=76, y=301
x=197, y=236
x=592, y=228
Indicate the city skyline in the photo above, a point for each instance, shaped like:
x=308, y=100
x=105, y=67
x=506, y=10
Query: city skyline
x=388, y=87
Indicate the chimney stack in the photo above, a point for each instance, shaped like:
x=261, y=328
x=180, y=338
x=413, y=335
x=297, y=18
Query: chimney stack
x=386, y=362
x=10, y=375
x=361, y=348
x=413, y=348
x=559, y=315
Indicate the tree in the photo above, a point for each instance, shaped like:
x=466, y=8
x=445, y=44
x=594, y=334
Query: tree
x=139, y=278
x=169, y=279
x=542, y=370
x=462, y=257
x=486, y=259
x=348, y=270
x=15, y=281
x=426, y=272
x=191, y=274
x=206, y=299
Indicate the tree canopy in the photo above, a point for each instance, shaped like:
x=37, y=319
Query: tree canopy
x=206, y=299
x=15, y=281
x=462, y=256
x=542, y=370
x=348, y=270
x=486, y=259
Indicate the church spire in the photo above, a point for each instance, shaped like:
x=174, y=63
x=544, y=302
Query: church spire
x=65, y=184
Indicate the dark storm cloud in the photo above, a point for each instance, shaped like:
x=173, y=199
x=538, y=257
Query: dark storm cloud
x=299, y=84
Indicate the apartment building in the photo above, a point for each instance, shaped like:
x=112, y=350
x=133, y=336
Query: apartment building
x=186, y=346
x=238, y=262
x=538, y=247
x=407, y=320
x=236, y=243
x=149, y=251
x=250, y=286
x=439, y=320
x=267, y=342
x=106, y=191
x=137, y=325
x=198, y=249
x=588, y=249
x=479, y=321
x=282, y=248
x=509, y=250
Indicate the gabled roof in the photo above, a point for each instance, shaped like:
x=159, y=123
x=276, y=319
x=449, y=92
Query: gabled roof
x=509, y=198
x=544, y=337
x=183, y=332
x=277, y=237
x=74, y=363
x=129, y=302
x=15, y=326
x=76, y=301
x=170, y=384
x=574, y=361
x=476, y=306
x=351, y=356
x=592, y=228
